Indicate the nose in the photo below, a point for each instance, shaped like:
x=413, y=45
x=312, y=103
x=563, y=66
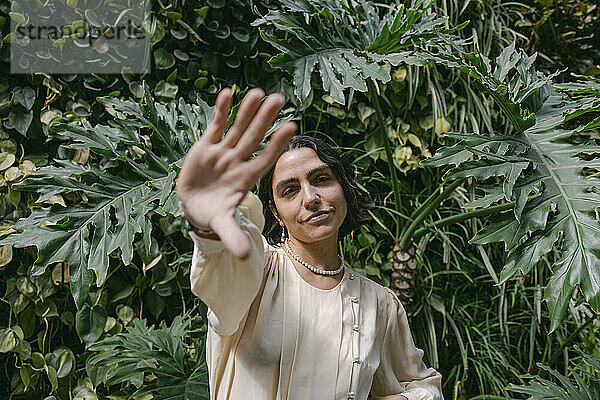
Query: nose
x=311, y=198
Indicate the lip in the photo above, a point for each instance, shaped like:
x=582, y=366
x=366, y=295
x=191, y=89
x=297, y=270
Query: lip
x=318, y=216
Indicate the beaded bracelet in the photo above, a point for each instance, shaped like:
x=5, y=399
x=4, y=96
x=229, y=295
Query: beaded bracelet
x=189, y=227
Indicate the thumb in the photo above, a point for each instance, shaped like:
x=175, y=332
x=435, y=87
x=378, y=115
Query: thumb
x=234, y=239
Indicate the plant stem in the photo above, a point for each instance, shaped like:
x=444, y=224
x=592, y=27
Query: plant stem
x=514, y=120
x=567, y=342
x=426, y=202
x=388, y=149
x=465, y=216
x=489, y=397
x=407, y=234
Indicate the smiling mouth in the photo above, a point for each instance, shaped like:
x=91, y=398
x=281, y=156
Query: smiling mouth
x=318, y=216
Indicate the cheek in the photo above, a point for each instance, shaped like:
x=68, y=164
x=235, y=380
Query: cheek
x=285, y=211
x=344, y=207
x=342, y=204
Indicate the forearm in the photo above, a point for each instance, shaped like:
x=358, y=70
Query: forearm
x=390, y=397
x=226, y=284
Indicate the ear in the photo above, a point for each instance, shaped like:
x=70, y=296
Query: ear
x=272, y=208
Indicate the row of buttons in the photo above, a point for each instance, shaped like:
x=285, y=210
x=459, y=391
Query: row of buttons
x=355, y=328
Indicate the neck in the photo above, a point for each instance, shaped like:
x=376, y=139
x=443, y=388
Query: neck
x=322, y=254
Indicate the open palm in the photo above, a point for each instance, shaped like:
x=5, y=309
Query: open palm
x=218, y=173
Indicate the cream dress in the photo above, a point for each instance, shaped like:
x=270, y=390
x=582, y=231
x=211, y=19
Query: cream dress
x=273, y=336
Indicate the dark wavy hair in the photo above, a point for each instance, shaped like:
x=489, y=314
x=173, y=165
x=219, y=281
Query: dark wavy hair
x=358, y=203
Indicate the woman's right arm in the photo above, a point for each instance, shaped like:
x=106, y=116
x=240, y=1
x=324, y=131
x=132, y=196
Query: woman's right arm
x=226, y=284
x=216, y=176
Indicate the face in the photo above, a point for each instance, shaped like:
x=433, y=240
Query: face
x=308, y=198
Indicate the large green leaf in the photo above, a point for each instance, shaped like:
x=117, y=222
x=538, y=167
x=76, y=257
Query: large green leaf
x=90, y=322
x=139, y=157
x=126, y=357
x=511, y=82
x=543, y=168
x=345, y=41
x=586, y=386
x=119, y=195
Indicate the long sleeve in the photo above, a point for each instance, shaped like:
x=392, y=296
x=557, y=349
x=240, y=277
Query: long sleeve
x=401, y=369
x=228, y=285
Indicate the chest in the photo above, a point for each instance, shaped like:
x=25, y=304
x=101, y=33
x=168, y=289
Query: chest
x=338, y=329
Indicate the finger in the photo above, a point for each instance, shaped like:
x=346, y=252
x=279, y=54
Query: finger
x=231, y=235
x=244, y=116
x=262, y=121
x=267, y=157
x=220, y=117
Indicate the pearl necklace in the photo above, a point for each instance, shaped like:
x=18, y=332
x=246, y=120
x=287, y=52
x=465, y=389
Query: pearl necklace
x=288, y=249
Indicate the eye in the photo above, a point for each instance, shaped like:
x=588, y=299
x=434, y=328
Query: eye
x=287, y=191
x=322, y=178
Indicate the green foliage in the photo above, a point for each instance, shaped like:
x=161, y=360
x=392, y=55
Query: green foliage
x=137, y=178
x=481, y=334
x=565, y=196
x=21, y=113
x=509, y=89
x=562, y=32
x=363, y=245
x=346, y=41
x=195, y=46
x=585, y=387
x=41, y=314
x=154, y=360
x=36, y=305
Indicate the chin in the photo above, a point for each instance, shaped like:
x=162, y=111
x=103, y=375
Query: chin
x=318, y=236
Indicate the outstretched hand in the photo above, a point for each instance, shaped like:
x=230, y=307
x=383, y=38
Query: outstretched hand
x=218, y=173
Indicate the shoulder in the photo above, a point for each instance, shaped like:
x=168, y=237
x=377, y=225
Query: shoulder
x=387, y=300
x=271, y=252
x=373, y=287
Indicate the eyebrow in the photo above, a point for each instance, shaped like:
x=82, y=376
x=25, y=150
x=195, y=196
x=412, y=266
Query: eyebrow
x=312, y=172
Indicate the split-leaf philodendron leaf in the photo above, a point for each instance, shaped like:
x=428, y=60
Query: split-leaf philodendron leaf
x=543, y=167
x=345, y=41
x=126, y=357
x=84, y=234
x=140, y=157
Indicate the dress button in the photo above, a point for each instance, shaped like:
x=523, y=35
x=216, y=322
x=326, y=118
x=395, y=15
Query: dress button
x=354, y=299
x=351, y=276
x=351, y=395
x=355, y=327
x=356, y=359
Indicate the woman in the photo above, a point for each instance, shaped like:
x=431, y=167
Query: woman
x=287, y=318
